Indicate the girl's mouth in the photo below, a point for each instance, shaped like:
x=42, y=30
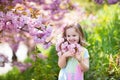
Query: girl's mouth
x=72, y=41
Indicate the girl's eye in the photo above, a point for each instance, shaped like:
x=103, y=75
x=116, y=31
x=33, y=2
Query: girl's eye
x=74, y=35
x=68, y=35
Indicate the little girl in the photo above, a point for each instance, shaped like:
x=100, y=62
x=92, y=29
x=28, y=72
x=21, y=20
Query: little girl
x=73, y=57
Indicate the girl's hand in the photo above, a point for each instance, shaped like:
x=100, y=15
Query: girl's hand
x=79, y=56
x=69, y=54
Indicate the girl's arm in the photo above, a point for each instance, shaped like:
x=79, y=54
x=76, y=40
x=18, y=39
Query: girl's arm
x=84, y=63
x=62, y=61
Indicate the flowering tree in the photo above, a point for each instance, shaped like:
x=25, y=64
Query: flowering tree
x=23, y=18
x=35, y=21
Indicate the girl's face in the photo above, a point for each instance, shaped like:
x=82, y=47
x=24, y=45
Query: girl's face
x=72, y=35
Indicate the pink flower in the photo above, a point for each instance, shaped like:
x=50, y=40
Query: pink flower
x=22, y=66
x=42, y=56
x=33, y=57
x=46, y=45
x=99, y=1
x=3, y=60
x=71, y=48
x=1, y=25
x=79, y=48
x=112, y=1
x=58, y=45
x=64, y=47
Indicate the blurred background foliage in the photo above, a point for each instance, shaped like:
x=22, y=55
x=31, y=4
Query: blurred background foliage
x=104, y=46
x=102, y=34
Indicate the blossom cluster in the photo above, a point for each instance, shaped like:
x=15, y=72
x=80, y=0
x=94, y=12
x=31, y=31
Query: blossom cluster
x=21, y=66
x=54, y=8
x=3, y=60
x=31, y=16
x=18, y=25
x=108, y=1
x=63, y=46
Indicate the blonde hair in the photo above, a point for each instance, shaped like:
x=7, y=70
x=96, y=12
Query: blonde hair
x=78, y=29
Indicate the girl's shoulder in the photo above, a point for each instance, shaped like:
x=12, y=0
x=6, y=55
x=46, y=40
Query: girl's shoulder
x=86, y=53
x=84, y=49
